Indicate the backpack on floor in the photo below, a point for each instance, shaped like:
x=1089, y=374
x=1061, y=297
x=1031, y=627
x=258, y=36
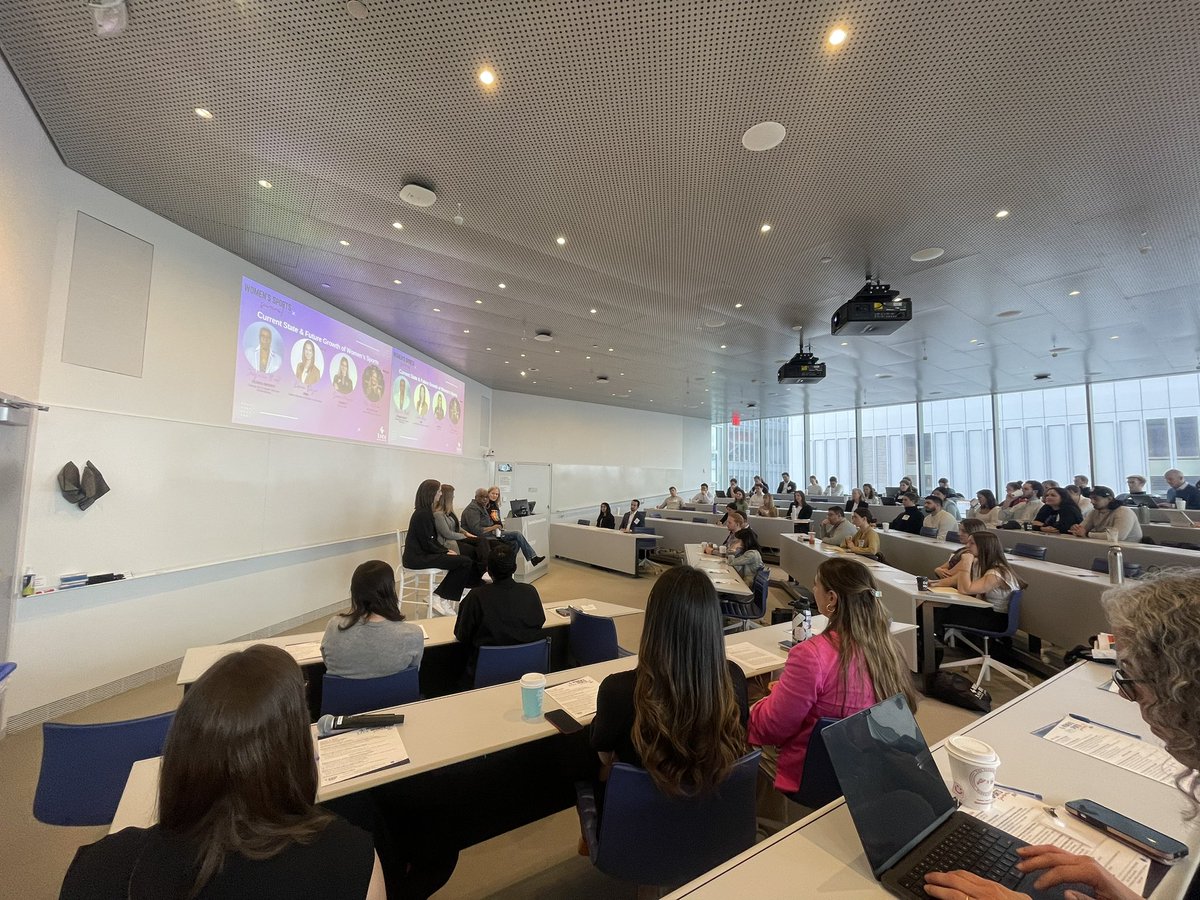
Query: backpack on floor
x=952, y=688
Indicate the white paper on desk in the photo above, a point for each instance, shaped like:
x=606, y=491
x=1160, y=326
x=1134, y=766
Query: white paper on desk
x=577, y=698
x=304, y=650
x=1027, y=819
x=1130, y=753
x=345, y=756
x=752, y=658
x=424, y=632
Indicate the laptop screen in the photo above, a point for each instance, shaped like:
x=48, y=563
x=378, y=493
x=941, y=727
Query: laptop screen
x=892, y=785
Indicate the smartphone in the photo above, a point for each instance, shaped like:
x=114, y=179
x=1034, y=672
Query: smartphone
x=563, y=721
x=1141, y=837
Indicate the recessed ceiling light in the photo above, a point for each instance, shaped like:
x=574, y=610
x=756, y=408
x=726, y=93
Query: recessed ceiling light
x=592, y=311
x=1073, y=294
x=763, y=136
x=506, y=362
x=845, y=343
x=737, y=305
x=397, y=224
x=344, y=243
x=323, y=284
x=487, y=76
x=502, y=285
x=523, y=373
x=466, y=331
x=764, y=227
x=974, y=340
x=621, y=373
x=487, y=348
x=558, y=351
x=397, y=281
x=713, y=372
x=882, y=375
x=1114, y=337
x=722, y=346
x=930, y=253
x=1002, y=214
x=479, y=303
x=560, y=240
x=263, y=183
x=837, y=37
x=610, y=349
x=522, y=356
x=587, y=357
x=203, y=113
x=436, y=309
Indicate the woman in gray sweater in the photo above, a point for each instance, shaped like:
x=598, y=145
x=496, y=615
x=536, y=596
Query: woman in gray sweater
x=372, y=639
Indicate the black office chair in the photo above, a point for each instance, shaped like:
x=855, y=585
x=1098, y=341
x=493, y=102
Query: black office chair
x=700, y=519
x=582, y=522
x=953, y=537
x=1029, y=551
x=644, y=546
x=928, y=532
x=1132, y=570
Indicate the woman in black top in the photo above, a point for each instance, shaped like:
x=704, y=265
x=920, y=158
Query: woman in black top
x=423, y=550
x=857, y=503
x=1059, y=512
x=799, y=508
x=606, y=518
x=499, y=614
x=237, y=813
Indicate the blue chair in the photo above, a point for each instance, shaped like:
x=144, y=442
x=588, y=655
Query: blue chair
x=593, y=639
x=749, y=610
x=651, y=839
x=349, y=696
x=984, y=660
x=582, y=522
x=1029, y=551
x=1132, y=570
x=644, y=547
x=497, y=665
x=928, y=532
x=85, y=767
x=6, y=669
x=656, y=515
x=700, y=519
x=953, y=537
x=818, y=782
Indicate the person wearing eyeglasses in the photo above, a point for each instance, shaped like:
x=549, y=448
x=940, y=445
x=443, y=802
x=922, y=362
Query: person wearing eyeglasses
x=1157, y=625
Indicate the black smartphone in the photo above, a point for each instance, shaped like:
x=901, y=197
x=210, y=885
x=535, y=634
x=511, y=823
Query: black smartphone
x=563, y=721
x=564, y=611
x=1141, y=837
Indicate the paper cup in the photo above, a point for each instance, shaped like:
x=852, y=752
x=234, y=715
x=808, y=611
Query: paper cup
x=973, y=766
x=922, y=583
x=1180, y=504
x=533, y=689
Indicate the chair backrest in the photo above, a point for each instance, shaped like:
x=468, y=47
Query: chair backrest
x=1030, y=551
x=6, y=669
x=953, y=537
x=350, y=696
x=1014, y=612
x=1100, y=564
x=761, y=587
x=656, y=515
x=818, y=782
x=645, y=545
x=699, y=519
x=496, y=665
x=928, y=532
x=85, y=767
x=651, y=839
x=592, y=639
x=582, y=522
x=1132, y=570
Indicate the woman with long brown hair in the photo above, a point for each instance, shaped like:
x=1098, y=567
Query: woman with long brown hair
x=451, y=534
x=423, y=550
x=237, y=813
x=680, y=714
x=371, y=639
x=989, y=577
x=850, y=666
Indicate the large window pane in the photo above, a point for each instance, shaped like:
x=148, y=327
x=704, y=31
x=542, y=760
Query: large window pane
x=888, y=444
x=1045, y=435
x=831, y=440
x=957, y=444
x=1145, y=426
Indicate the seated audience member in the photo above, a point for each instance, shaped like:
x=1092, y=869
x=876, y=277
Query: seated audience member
x=814, y=486
x=833, y=489
x=738, y=505
x=985, y=508
x=1026, y=507
x=635, y=518
x=704, y=498
x=786, y=485
x=759, y=484
x=990, y=578
x=681, y=714
x=450, y=533
x=1156, y=669
x=936, y=517
x=237, y=813
x=1137, y=495
x=606, y=518
x=857, y=501
x=672, y=501
x=944, y=485
x=1061, y=512
x=509, y=537
x=949, y=504
x=746, y=554
x=1081, y=482
x=868, y=492
x=799, y=509
x=849, y=667
x=1048, y=483
x=906, y=487
x=757, y=493
x=865, y=540
x=423, y=550
x=911, y=518
x=733, y=484
x=835, y=529
x=768, y=507
x=733, y=524
x=1012, y=495
x=964, y=555
x=372, y=639
x=1179, y=489
x=499, y=614
x=1084, y=504
x=1108, y=520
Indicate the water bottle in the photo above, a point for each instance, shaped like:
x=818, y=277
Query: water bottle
x=1116, y=564
x=714, y=509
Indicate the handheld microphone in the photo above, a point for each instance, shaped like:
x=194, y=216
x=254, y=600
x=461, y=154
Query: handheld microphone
x=327, y=724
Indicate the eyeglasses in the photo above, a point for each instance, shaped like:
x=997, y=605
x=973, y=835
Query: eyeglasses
x=1125, y=684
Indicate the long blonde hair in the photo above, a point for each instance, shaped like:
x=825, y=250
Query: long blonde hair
x=686, y=725
x=864, y=629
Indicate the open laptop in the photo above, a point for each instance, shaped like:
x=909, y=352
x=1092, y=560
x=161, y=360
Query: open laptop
x=892, y=492
x=904, y=813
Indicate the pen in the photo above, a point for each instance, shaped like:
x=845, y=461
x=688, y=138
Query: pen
x=1080, y=718
x=1016, y=790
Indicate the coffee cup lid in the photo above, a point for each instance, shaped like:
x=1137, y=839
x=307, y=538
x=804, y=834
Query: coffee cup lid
x=971, y=750
x=537, y=679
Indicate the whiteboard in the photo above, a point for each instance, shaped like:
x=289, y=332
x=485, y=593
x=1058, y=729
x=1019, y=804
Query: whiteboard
x=186, y=494
x=580, y=486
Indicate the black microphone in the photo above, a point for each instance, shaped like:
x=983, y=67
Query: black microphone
x=327, y=724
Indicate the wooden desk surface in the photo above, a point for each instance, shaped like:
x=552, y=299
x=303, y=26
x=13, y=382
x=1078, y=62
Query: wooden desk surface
x=722, y=575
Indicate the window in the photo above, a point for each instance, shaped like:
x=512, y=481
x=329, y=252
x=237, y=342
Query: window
x=1187, y=438
x=1044, y=434
x=1158, y=442
x=831, y=438
x=956, y=443
x=1144, y=426
x=888, y=444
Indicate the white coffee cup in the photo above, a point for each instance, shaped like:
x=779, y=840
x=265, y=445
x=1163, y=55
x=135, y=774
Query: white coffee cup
x=533, y=690
x=973, y=766
x=1180, y=504
x=884, y=526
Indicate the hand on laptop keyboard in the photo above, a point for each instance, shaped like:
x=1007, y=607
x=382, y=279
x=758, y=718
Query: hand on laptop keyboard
x=962, y=885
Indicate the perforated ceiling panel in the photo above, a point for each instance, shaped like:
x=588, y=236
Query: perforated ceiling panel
x=617, y=126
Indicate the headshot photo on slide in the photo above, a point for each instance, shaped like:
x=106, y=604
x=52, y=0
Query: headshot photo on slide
x=372, y=383
x=400, y=394
x=308, y=362
x=439, y=405
x=455, y=410
x=345, y=373
x=261, y=344
x=421, y=403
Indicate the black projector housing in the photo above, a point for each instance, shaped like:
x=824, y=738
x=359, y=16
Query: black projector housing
x=803, y=368
x=876, y=309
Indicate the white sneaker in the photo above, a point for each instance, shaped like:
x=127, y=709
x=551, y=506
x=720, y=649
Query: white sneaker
x=443, y=607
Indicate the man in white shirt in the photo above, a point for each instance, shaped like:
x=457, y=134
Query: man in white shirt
x=836, y=527
x=1025, y=509
x=786, y=485
x=635, y=518
x=704, y=498
x=673, y=501
x=834, y=489
x=936, y=517
x=948, y=502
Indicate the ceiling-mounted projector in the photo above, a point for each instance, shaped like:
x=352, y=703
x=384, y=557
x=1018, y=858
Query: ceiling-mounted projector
x=803, y=368
x=876, y=309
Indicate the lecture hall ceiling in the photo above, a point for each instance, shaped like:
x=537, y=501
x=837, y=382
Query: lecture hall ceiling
x=618, y=127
